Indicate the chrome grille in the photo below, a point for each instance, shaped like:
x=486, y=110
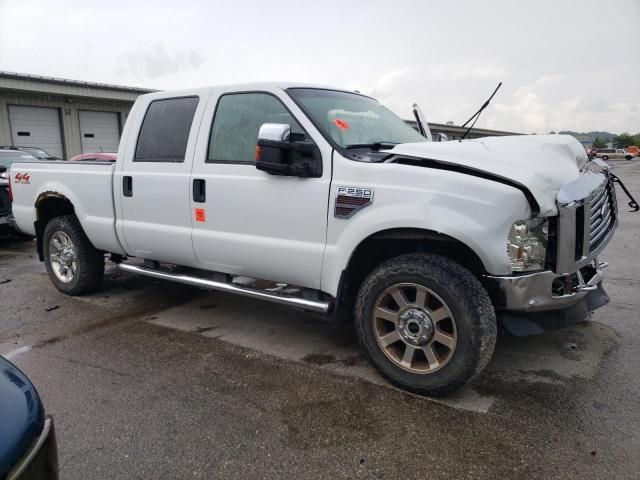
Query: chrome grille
x=602, y=215
x=587, y=219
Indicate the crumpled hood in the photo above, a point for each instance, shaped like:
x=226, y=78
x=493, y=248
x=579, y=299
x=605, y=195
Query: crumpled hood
x=542, y=163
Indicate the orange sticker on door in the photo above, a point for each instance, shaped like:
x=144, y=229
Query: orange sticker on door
x=201, y=216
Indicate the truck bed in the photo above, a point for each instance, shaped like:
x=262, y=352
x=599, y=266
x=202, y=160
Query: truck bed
x=88, y=185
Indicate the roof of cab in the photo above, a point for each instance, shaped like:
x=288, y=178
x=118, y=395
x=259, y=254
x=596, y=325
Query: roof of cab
x=243, y=87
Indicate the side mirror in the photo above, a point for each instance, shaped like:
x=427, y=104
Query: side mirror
x=279, y=152
x=274, y=132
x=442, y=137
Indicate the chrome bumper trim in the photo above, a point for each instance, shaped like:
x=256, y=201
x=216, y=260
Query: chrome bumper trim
x=533, y=292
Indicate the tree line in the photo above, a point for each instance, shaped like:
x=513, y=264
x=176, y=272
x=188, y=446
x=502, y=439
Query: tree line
x=623, y=140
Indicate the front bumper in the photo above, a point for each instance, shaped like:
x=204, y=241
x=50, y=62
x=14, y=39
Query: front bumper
x=543, y=291
x=533, y=303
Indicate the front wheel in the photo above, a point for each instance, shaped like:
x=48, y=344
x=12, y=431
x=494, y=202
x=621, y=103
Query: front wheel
x=426, y=323
x=73, y=263
x=605, y=157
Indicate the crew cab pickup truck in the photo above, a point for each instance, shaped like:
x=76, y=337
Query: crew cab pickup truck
x=613, y=154
x=427, y=246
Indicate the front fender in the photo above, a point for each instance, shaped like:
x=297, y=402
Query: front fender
x=481, y=222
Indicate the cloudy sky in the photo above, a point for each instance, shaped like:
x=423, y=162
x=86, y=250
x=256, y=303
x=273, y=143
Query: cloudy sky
x=564, y=64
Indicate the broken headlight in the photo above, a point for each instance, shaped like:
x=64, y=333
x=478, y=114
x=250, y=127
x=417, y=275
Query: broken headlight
x=527, y=244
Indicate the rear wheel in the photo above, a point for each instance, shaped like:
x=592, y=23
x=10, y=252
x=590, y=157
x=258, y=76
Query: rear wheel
x=426, y=323
x=605, y=157
x=73, y=264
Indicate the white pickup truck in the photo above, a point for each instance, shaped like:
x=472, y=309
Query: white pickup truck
x=427, y=246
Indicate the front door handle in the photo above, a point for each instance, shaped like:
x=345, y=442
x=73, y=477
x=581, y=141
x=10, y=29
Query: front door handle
x=199, y=190
x=127, y=186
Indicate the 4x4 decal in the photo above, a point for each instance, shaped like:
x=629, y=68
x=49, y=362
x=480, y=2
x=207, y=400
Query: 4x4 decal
x=22, y=178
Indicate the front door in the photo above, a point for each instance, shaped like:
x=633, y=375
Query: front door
x=247, y=221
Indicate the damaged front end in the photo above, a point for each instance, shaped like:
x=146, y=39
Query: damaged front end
x=571, y=286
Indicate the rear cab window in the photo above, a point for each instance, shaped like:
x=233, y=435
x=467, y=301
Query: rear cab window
x=165, y=130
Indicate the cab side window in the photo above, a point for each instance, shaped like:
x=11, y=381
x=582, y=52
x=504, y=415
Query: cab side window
x=236, y=122
x=165, y=130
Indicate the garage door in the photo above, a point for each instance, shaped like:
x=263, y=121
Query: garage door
x=36, y=127
x=99, y=131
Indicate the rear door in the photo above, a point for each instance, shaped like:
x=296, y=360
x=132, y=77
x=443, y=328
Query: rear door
x=99, y=131
x=36, y=127
x=153, y=184
x=250, y=222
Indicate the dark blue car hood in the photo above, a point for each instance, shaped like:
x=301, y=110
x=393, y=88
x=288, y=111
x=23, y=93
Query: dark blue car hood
x=21, y=415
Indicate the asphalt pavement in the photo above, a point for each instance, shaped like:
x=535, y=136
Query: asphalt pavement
x=149, y=379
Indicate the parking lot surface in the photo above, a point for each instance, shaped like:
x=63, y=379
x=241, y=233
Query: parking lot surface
x=148, y=379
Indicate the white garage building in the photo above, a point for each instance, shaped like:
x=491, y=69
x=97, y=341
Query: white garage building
x=64, y=117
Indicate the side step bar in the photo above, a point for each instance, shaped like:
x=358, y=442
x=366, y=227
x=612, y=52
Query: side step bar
x=313, y=305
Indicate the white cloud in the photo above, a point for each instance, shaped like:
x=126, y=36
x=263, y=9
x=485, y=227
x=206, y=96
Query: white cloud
x=447, y=56
x=154, y=61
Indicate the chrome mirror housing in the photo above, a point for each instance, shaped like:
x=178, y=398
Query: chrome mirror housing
x=274, y=132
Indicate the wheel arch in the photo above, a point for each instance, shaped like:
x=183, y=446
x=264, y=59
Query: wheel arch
x=49, y=205
x=385, y=244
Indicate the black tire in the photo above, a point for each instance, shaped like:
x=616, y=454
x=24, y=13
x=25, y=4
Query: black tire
x=89, y=270
x=628, y=157
x=457, y=289
x=605, y=157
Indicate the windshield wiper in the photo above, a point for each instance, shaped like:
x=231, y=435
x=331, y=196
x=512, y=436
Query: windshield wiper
x=372, y=146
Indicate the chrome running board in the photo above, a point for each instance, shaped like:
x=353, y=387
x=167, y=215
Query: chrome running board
x=313, y=305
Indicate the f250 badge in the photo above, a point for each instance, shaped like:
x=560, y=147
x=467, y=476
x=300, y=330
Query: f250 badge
x=351, y=199
x=22, y=178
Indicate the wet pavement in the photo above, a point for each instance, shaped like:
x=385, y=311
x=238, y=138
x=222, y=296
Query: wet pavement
x=149, y=379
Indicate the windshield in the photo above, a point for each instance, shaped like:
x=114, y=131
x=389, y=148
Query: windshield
x=353, y=120
x=13, y=156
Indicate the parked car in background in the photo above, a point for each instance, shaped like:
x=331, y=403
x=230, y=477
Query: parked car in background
x=7, y=157
x=633, y=151
x=28, y=448
x=5, y=200
x=613, y=154
x=39, y=153
x=95, y=157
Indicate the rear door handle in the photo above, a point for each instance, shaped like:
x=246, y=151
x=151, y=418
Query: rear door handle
x=199, y=190
x=127, y=186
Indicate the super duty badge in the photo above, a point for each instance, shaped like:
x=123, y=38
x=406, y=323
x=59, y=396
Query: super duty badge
x=351, y=199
